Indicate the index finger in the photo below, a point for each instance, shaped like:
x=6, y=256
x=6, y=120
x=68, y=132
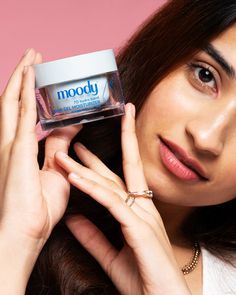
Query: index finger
x=132, y=163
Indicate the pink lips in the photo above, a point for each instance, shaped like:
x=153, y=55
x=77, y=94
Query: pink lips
x=179, y=163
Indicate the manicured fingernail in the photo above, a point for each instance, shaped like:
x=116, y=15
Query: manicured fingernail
x=25, y=69
x=131, y=109
x=74, y=176
x=79, y=144
x=27, y=51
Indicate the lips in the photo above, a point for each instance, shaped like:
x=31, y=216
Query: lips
x=179, y=162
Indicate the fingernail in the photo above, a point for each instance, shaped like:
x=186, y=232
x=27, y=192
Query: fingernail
x=73, y=220
x=131, y=109
x=27, y=50
x=79, y=144
x=74, y=175
x=25, y=69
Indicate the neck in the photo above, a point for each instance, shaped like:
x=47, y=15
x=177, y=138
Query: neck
x=173, y=217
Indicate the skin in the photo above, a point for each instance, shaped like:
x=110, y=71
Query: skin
x=201, y=118
x=202, y=121
x=33, y=200
x=26, y=222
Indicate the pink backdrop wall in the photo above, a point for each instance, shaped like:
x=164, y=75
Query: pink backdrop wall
x=61, y=28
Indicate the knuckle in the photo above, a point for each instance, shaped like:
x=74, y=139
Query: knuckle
x=23, y=110
x=109, y=260
x=129, y=130
x=111, y=181
x=23, y=89
x=114, y=201
x=26, y=89
x=134, y=162
x=94, y=186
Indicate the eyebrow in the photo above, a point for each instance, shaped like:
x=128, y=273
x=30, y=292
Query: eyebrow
x=218, y=57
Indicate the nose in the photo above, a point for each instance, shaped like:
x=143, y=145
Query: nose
x=210, y=128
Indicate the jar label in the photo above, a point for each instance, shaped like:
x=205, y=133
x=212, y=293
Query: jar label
x=77, y=96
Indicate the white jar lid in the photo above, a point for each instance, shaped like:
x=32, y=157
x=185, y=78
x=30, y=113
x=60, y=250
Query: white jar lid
x=75, y=68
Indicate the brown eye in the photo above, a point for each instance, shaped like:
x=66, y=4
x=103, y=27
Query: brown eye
x=204, y=76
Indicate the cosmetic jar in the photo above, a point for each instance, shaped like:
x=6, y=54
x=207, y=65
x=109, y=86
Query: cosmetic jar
x=78, y=89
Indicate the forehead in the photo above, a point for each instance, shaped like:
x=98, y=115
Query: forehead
x=226, y=44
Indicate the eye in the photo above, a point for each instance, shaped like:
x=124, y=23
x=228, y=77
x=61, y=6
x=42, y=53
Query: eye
x=204, y=76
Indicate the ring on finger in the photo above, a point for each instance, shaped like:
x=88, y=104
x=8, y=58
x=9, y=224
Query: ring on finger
x=131, y=196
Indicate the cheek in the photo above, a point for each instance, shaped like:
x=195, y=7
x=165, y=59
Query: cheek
x=225, y=178
x=170, y=104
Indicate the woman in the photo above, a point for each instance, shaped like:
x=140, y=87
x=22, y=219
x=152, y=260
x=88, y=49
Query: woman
x=179, y=72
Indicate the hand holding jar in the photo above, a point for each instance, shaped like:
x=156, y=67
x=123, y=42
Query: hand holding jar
x=32, y=200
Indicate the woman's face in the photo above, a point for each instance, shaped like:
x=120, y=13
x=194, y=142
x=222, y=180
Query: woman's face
x=187, y=129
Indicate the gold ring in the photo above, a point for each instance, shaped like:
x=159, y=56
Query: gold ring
x=131, y=196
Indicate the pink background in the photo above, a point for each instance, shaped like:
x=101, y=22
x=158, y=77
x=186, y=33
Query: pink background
x=59, y=28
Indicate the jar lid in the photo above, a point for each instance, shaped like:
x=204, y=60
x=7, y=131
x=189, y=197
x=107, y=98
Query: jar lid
x=75, y=68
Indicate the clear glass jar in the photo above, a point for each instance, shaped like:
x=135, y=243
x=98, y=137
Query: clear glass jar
x=78, y=89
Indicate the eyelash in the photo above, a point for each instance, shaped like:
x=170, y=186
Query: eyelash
x=204, y=85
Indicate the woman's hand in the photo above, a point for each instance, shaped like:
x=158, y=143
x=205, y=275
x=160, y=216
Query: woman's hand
x=146, y=264
x=32, y=201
